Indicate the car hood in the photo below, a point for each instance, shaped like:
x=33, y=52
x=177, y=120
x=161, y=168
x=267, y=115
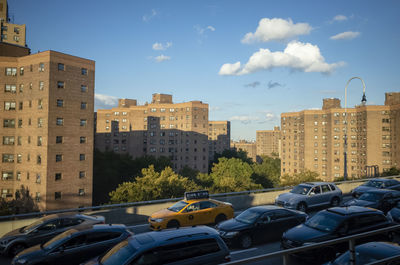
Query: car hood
x=303, y=233
x=361, y=203
x=162, y=213
x=233, y=225
x=30, y=253
x=13, y=233
x=363, y=189
x=288, y=196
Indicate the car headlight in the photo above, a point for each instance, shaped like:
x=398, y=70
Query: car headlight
x=231, y=234
x=21, y=261
x=158, y=220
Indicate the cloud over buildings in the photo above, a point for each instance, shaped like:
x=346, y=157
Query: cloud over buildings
x=161, y=47
x=105, y=102
x=348, y=35
x=162, y=58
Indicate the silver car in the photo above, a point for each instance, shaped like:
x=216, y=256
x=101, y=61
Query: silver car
x=310, y=194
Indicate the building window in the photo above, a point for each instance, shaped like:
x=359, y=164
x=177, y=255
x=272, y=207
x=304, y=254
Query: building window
x=10, y=88
x=83, y=88
x=9, y=123
x=41, y=85
x=83, y=122
x=82, y=174
x=82, y=157
x=8, y=158
x=59, y=139
x=21, y=71
x=21, y=88
x=84, y=71
x=41, y=67
x=60, y=121
x=60, y=103
x=40, y=122
x=60, y=84
x=82, y=139
x=37, y=198
x=39, y=140
x=40, y=103
x=83, y=105
x=38, y=180
x=61, y=67
x=39, y=159
x=81, y=192
x=7, y=175
x=9, y=105
x=57, y=195
x=58, y=158
x=11, y=71
x=57, y=176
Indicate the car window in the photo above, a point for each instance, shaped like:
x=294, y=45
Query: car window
x=193, y=207
x=316, y=190
x=66, y=222
x=300, y=189
x=280, y=214
x=332, y=187
x=325, y=188
x=95, y=237
x=366, y=221
x=119, y=254
x=49, y=226
x=74, y=242
x=207, y=204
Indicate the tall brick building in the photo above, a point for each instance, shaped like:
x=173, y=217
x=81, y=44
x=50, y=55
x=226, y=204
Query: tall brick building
x=268, y=142
x=219, y=137
x=160, y=128
x=249, y=147
x=314, y=139
x=9, y=32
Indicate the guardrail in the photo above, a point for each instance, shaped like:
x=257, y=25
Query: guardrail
x=350, y=239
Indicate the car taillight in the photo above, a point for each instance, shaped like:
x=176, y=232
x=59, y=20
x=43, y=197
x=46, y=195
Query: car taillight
x=227, y=258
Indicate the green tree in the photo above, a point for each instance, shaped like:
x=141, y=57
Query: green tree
x=297, y=178
x=268, y=172
x=231, y=175
x=393, y=171
x=153, y=185
x=233, y=153
x=22, y=203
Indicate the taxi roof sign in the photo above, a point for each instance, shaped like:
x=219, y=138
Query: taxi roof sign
x=195, y=195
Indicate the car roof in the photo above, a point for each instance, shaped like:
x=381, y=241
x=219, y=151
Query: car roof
x=383, y=249
x=350, y=210
x=382, y=191
x=317, y=183
x=86, y=227
x=58, y=215
x=265, y=208
x=378, y=179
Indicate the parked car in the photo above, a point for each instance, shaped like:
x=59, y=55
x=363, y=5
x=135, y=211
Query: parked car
x=43, y=230
x=259, y=224
x=370, y=252
x=310, y=194
x=189, y=245
x=394, y=213
x=374, y=184
x=196, y=209
x=74, y=246
x=380, y=199
x=334, y=223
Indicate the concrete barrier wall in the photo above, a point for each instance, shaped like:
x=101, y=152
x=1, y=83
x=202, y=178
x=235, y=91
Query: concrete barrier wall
x=139, y=214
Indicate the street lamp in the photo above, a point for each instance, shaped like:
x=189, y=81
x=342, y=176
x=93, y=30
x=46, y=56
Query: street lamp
x=363, y=101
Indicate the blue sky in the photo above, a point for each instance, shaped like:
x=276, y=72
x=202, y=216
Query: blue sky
x=249, y=60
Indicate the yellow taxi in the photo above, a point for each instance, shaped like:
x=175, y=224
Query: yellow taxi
x=195, y=209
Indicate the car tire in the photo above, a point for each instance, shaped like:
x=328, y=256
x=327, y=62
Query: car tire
x=335, y=202
x=302, y=207
x=15, y=249
x=220, y=218
x=173, y=224
x=245, y=241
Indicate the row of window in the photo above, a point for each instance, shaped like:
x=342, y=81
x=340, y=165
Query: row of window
x=11, y=105
x=12, y=71
x=10, y=158
x=9, y=175
x=10, y=140
x=10, y=123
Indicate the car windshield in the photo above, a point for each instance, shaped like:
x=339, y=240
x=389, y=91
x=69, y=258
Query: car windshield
x=361, y=258
x=55, y=240
x=371, y=197
x=323, y=221
x=178, y=206
x=31, y=227
x=248, y=217
x=301, y=189
x=374, y=183
x=118, y=254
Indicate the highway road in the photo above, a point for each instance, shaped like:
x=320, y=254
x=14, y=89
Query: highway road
x=236, y=254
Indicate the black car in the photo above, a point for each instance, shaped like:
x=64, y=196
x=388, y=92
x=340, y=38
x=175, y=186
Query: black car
x=74, y=246
x=374, y=184
x=259, y=224
x=382, y=199
x=394, y=213
x=43, y=230
x=369, y=252
x=184, y=246
x=334, y=223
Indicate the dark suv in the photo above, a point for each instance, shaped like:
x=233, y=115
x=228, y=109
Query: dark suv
x=189, y=245
x=334, y=223
x=74, y=246
x=43, y=230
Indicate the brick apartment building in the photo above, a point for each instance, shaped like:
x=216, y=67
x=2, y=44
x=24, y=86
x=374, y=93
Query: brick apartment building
x=219, y=137
x=9, y=32
x=268, y=142
x=247, y=146
x=314, y=139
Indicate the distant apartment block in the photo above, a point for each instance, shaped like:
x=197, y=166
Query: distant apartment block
x=268, y=142
x=160, y=128
x=46, y=116
x=10, y=33
x=249, y=147
x=219, y=137
x=314, y=139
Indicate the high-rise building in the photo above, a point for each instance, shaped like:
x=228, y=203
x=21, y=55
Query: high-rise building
x=314, y=139
x=268, y=142
x=249, y=147
x=46, y=114
x=160, y=128
x=219, y=137
x=10, y=33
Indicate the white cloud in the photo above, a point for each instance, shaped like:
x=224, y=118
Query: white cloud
x=297, y=56
x=162, y=58
x=340, y=18
x=202, y=31
x=147, y=18
x=160, y=47
x=105, y=102
x=348, y=35
x=211, y=28
x=270, y=116
x=216, y=108
x=244, y=119
x=276, y=29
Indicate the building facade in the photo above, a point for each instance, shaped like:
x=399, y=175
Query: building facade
x=314, y=139
x=249, y=147
x=268, y=142
x=161, y=128
x=219, y=137
x=46, y=114
x=9, y=32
